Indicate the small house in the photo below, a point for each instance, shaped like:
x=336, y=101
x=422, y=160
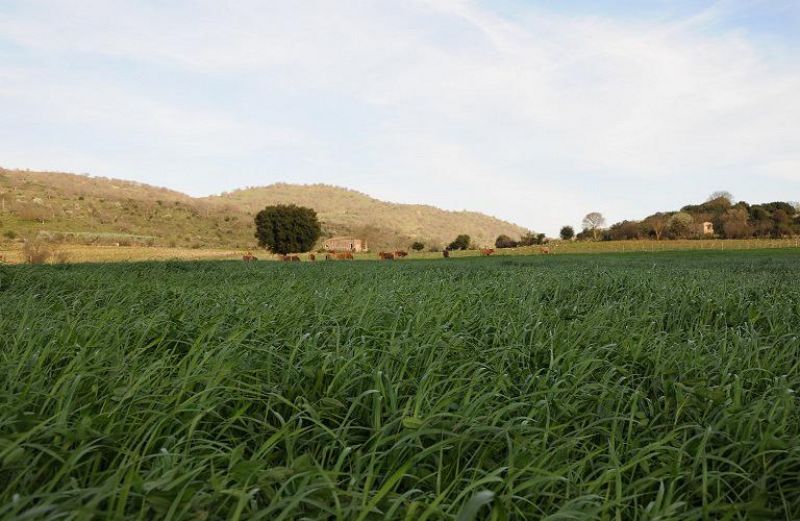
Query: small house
x=345, y=244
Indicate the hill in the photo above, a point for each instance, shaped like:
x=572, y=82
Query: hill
x=82, y=208
x=343, y=211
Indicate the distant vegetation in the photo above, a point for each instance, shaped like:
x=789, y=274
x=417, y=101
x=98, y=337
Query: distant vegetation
x=728, y=219
x=94, y=210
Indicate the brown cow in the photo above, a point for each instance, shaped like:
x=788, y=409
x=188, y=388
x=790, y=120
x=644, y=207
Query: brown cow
x=545, y=251
x=386, y=255
x=249, y=257
x=400, y=254
x=487, y=251
x=344, y=256
x=446, y=254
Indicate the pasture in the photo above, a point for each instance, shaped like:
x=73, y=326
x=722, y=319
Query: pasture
x=627, y=387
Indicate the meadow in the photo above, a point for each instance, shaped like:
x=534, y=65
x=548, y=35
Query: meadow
x=561, y=387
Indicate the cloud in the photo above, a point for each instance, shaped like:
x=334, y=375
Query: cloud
x=537, y=118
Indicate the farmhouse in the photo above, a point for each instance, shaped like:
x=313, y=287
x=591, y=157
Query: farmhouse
x=345, y=244
x=708, y=228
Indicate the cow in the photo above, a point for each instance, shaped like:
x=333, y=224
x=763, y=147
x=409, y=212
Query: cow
x=545, y=251
x=249, y=257
x=446, y=254
x=487, y=251
x=344, y=256
x=312, y=257
x=386, y=255
x=400, y=254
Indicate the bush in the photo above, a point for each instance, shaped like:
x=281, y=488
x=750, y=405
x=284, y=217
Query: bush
x=460, y=243
x=567, y=233
x=417, y=246
x=10, y=234
x=529, y=239
x=504, y=241
x=35, y=252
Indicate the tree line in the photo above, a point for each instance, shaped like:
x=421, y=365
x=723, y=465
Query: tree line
x=728, y=219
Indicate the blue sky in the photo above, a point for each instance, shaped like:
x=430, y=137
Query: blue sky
x=535, y=112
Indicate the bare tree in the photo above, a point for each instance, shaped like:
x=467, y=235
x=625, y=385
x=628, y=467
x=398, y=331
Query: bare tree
x=721, y=194
x=594, y=221
x=658, y=223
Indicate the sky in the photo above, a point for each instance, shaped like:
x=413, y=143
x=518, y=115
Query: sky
x=535, y=112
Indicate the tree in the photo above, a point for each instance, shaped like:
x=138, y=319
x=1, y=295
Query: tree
x=417, y=246
x=657, y=224
x=721, y=194
x=287, y=228
x=504, y=241
x=625, y=230
x=529, y=239
x=594, y=221
x=460, y=243
x=735, y=225
x=567, y=233
x=782, y=222
x=541, y=238
x=681, y=224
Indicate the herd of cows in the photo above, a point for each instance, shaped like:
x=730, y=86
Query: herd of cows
x=346, y=255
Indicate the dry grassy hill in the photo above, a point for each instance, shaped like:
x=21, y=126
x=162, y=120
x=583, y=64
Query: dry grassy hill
x=345, y=211
x=81, y=208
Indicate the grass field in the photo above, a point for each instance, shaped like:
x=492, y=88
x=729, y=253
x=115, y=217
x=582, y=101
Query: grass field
x=638, y=386
x=11, y=253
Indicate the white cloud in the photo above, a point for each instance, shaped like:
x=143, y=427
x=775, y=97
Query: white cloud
x=539, y=119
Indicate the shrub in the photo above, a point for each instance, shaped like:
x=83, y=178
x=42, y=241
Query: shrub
x=529, y=239
x=460, y=243
x=35, y=252
x=504, y=241
x=10, y=234
x=567, y=233
x=417, y=246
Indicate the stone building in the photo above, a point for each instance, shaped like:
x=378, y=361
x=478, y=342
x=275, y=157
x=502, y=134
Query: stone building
x=345, y=244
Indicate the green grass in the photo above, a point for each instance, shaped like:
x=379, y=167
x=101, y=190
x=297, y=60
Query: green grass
x=637, y=386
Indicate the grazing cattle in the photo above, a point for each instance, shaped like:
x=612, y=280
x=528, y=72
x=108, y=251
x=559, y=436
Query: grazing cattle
x=545, y=251
x=487, y=251
x=446, y=254
x=289, y=258
x=344, y=256
x=249, y=257
x=312, y=257
x=400, y=254
x=386, y=255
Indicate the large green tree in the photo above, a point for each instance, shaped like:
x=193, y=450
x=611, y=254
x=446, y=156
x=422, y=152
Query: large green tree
x=287, y=228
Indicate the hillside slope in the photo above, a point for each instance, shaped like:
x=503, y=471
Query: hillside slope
x=102, y=210
x=345, y=211
x=96, y=209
